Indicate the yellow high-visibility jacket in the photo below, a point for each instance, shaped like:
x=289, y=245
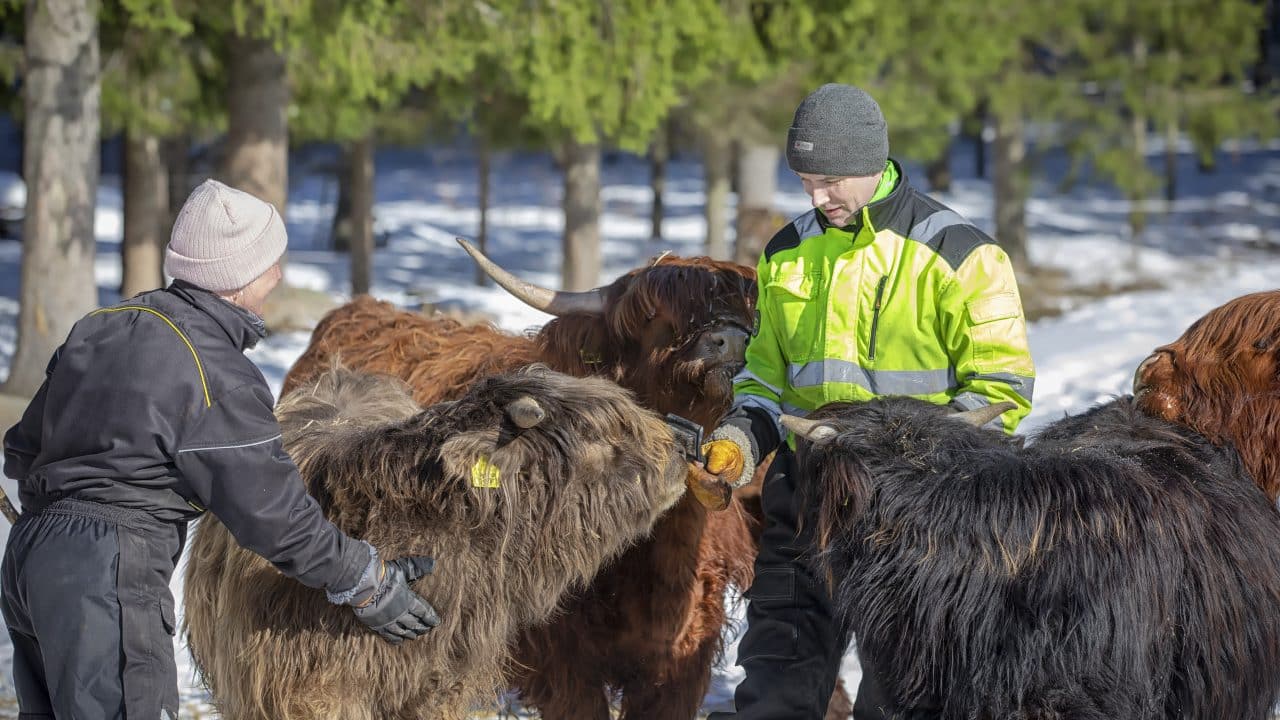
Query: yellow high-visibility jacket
x=911, y=299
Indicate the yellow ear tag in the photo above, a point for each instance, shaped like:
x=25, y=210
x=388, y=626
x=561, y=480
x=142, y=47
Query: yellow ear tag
x=484, y=474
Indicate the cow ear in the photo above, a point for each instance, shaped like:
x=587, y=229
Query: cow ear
x=575, y=345
x=525, y=412
x=843, y=490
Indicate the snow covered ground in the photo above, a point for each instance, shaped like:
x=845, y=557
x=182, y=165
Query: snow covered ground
x=1220, y=239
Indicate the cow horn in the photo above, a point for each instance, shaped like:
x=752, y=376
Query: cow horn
x=985, y=414
x=1139, y=379
x=525, y=412
x=552, y=302
x=811, y=430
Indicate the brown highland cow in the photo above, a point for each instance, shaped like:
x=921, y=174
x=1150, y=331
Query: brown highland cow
x=1222, y=379
x=674, y=332
x=521, y=490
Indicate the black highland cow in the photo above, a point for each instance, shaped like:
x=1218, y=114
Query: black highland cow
x=1119, y=567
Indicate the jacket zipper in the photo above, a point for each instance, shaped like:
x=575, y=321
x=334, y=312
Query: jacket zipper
x=875, y=315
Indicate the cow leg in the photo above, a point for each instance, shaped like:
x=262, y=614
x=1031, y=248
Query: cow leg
x=680, y=696
x=793, y=643
x=570, y=697
x=585, y=704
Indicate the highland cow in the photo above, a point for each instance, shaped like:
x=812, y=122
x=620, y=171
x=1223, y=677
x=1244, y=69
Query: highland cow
x=1120, y=566
x=1222, y=379
x=521, y=489
x=673, y=332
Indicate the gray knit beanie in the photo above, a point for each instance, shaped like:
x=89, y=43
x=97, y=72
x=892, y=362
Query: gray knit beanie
x=223, y=238
x=838, y=131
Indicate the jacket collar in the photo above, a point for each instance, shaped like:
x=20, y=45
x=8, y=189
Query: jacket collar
x=880, y=213
x=243, y=327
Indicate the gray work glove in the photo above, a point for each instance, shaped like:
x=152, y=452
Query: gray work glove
x=394, y=610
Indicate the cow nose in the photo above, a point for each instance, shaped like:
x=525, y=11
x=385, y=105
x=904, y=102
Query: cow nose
x=729, y=343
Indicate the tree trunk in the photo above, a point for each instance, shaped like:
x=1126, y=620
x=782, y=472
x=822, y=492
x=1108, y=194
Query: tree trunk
x=341, y=230
x=717, y=157
x=1269, y=25
x=1138, y=134
x=357, y=185
x=1170, y=163
x=581, y=270
x=61, y=94
x=256, y=158
x=1011, y=188
x=1172, y=114
x=484, y=167
x=1137, y=213
x=146, y=214
x=975, y=127
x=939, y=171
x=658, y=154
x=757, y=183
x=979, y=156
x=177, y=160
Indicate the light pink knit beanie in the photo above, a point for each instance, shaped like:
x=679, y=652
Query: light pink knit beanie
x=223, y=238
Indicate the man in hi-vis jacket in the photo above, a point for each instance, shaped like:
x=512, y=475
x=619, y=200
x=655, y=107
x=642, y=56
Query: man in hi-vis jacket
x=878, y=290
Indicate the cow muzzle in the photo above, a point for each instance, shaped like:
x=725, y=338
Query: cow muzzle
x=726, y=345
x=710, y=491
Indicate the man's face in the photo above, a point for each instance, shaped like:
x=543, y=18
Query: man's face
x=839, y=197
x=254, y=295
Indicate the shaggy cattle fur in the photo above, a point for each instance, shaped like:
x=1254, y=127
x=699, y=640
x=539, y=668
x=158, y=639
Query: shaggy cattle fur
x=1222, y=379
x=649, y=627
x=572, y=492
x=1120, y=566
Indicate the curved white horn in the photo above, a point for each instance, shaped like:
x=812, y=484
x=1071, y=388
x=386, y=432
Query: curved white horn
x=983, y=415
x=554, y=302
x=812, y=430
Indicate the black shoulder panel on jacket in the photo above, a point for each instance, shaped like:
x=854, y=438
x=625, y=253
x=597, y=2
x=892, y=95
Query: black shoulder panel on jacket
x=956, y=242
x=787, y=237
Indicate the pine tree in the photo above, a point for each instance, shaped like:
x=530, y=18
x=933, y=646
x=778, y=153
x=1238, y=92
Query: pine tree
x=597, y=72
x=740, y=115
x=153, y=90
x=353, y=69
x=1157, y=65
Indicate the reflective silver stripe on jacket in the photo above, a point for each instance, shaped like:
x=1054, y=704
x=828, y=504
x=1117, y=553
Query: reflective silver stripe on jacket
x=878, y=382
x=745, y=375
x=772, y=408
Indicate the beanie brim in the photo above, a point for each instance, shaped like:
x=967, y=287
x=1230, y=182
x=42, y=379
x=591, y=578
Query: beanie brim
x=840, y=155
x=838, y=130
x=224, y=239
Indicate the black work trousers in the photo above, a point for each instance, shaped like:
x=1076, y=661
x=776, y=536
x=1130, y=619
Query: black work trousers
x=794, y=641
x=87, y=603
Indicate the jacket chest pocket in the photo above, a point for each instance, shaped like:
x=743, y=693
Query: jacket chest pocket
x=796, y=302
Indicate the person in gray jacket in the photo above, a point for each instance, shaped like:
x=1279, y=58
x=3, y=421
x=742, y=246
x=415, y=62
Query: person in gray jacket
x=150, y=415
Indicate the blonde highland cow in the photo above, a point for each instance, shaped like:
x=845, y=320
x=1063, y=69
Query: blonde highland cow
x=521, y=490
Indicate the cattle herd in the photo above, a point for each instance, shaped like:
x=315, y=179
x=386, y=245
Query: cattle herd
x=1121, y=563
